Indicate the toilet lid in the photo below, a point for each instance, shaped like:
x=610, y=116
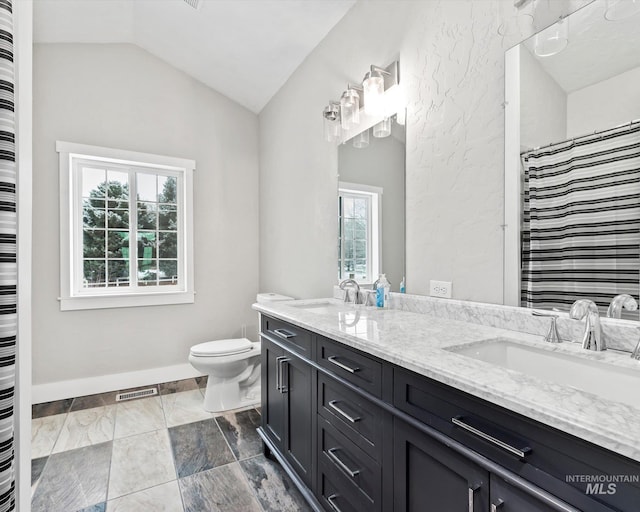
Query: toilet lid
x=222, y=347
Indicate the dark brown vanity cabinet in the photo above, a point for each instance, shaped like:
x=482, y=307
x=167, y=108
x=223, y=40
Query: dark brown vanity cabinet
x=358, y=434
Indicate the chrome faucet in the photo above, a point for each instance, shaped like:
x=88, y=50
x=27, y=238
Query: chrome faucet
x=592, y=339
x=625, y=301
x=353, y=283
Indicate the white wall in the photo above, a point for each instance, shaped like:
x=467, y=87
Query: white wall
x=604, y=105
x=451, y=56
x=543, y=105
x=381, y=164
x=122, y=97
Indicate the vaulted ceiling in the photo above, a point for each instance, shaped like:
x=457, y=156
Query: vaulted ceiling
x=244, y=49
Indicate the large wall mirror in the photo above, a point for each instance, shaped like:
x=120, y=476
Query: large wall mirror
x=371, y=214
x=572, y=162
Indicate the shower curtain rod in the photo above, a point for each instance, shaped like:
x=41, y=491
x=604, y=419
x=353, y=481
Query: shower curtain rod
x=596, y=132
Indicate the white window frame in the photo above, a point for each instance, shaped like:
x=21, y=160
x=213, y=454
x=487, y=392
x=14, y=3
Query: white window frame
x=374, y=227
x=75, y=297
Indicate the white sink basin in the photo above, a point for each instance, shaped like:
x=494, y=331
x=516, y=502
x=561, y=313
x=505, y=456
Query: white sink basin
x=324, y=307
x=608, y=381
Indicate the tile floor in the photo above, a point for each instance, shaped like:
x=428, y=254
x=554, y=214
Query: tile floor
x=163, y=453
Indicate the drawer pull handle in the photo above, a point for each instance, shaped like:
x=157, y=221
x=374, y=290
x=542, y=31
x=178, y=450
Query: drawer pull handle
x=284, y=334
x=331, y=500
x=472, y=495
x=334, y=360
x=331, y=452
x=350, y=418
x=497, y=506
x=520, y=453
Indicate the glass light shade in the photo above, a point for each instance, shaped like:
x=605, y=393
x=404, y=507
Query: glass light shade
x=350, y=109
x=620, y=9
x=361, y=140
x=553, y=39
x=332, y=130
x=383, y=128
x=373, y=86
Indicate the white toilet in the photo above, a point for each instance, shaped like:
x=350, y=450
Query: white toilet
x=233, y=367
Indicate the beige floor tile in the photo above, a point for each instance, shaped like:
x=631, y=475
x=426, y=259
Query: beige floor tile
x=44, y=434
x=184, y=407
x=162, y=498
x=86, y=427
x=139, y=416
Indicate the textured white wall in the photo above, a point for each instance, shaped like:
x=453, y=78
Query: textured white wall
x=543, y=105
x=451, y=56
x=604, y=105
x=122, y=97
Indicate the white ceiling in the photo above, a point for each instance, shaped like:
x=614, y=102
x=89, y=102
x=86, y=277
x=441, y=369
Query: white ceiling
x=598, y=49
x=244, y=49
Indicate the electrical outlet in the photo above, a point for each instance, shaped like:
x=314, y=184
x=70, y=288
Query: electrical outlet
x=440, y=289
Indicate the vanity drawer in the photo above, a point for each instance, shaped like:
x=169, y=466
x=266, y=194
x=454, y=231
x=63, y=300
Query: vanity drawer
x=352, y=365
x=552, y=455
x=291, y=336
x=338, y=495
x=344, y=457
x=354, y=416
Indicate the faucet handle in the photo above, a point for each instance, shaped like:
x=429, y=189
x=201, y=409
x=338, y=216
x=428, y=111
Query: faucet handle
x=625, y=301
x=552, y=335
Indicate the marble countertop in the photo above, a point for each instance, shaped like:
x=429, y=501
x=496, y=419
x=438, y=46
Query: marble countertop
x=419, y=343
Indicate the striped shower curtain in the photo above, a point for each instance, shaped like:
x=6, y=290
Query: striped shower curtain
x=8, y=264
x=581, y=222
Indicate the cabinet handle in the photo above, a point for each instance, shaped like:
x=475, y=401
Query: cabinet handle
x=472, y=494
x=332, y=455
x=284, y=334
x=334, y=360
x=495, y=507
x=279, y=372
x=284, y=388
x=331, y=500
x=333, y=405
x=458, y=421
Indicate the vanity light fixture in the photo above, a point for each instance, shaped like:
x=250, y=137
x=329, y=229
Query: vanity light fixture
x=553, y=39
x=620, y=9
x=383, y=128
x=361, y=140
x=350, y=107
x=373, y=86
x=331, y=114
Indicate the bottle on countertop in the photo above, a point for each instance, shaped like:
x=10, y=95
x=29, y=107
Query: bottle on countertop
x=382, y=292
x=402, y=286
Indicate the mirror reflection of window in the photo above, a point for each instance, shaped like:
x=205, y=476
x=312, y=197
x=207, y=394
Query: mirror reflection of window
x=359, y=233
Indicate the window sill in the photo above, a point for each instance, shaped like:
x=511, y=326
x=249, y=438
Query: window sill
x=125, y=301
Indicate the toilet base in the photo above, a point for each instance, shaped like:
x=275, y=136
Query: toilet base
x=220, y=396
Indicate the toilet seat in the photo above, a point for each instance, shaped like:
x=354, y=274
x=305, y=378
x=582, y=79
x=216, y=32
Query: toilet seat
x=221, y=348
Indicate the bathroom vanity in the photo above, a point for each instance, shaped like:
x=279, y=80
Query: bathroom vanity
x=370, y=410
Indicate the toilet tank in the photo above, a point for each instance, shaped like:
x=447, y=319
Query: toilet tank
x=271, y=297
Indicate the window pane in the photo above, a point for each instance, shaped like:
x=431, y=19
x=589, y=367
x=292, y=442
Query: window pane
x=93, y=182
x=118, y=185
x=361, y=208
x=168, y=245
x=93, y=214
x=146, y=245
x=94, y=273
x=118, y=272
x=147, y=272
x=146, y=184
x=168, y=189
x=347, y=204
x=168, y=272
x=361, y=267
x=168, y=217
x=118, y=244
x=147, y=216
x=93, y=245
x=361, y=248
x=118, y=218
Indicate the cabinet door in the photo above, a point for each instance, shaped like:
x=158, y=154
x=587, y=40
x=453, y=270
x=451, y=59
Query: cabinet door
x=506, y=498
x=297, y=393
x=429, y=477
x=273, y=413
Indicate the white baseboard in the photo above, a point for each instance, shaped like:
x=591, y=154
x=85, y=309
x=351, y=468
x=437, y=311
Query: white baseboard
x=92, y=385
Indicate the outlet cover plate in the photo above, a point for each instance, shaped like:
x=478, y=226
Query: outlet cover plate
x=440, y=289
